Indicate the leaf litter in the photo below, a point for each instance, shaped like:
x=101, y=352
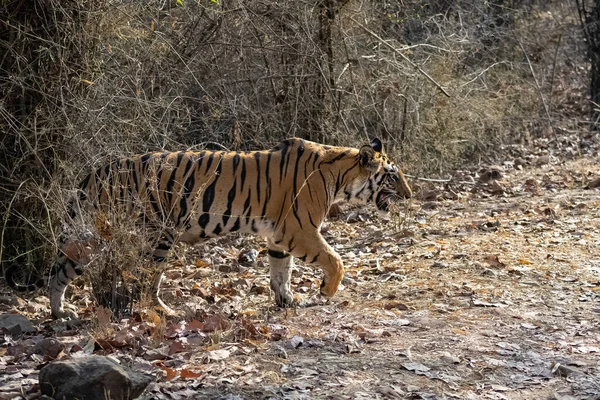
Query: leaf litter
x=489, y=290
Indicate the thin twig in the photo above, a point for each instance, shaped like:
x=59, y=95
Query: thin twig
x=428, y=179
x=554, y=70
x=539, y=90
x=439, y=180
x=425, y=74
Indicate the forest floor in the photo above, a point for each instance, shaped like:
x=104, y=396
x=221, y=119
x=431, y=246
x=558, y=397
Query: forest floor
x=490, y=289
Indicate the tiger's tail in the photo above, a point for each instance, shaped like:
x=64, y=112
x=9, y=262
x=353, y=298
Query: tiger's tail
x=35, y=283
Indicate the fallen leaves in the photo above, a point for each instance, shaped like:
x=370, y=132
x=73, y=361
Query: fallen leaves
x=493, y=291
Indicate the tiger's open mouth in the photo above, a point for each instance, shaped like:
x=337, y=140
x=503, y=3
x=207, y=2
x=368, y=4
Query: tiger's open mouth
x=384, y=199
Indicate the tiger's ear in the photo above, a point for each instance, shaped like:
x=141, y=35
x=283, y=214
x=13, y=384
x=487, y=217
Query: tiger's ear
x=377, y=145
x=366, y=156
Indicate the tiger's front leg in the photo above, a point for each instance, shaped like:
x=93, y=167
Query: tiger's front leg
x=313, y=249
x=281, y=264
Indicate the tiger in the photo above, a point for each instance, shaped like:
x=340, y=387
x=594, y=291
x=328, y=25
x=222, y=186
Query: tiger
x=283, y=194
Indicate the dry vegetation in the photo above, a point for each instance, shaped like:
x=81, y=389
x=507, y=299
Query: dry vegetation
x=85, y=81
x=82, y=82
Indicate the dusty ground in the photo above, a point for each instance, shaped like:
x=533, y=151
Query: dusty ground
x=487, y=291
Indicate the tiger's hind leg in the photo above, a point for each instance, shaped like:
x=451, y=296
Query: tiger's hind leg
x=281, y=264
x=70, y=263
x=159, y=256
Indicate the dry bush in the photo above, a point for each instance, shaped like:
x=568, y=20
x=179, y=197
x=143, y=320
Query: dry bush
x=84, y=82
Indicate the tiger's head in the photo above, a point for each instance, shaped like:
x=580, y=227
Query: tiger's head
x=383, y=182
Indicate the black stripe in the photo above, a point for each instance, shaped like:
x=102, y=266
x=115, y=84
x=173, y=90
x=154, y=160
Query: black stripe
x=348, y=170
x=188, y=186
x=299, y=154
x=236, y=162
x=84, y=182
x=278, y=254
x=287, y=162
x=311, y=221
x=258, y=174
x=217, y=231
x=203, y=220
x=337, y=158
x=153, y=201
x=230, y=198
x=171, y=181
x=325, y=187
x=144, y=159
x=243, y=174
x=200, y=160
x=236, y=225
x=209, y=162
x=317, y=156
x=284, y=151
x=247, y=202
x=209, y=193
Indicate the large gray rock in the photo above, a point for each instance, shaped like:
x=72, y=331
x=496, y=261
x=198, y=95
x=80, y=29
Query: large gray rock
x=15, y=324
x=91, y=378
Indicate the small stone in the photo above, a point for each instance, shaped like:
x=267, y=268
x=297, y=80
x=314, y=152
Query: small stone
x=248, y=258
x=491, y=174
x=12, y=301
x=296, y=341
x=49, y=347
x=449, y=358
x=519, y=163
x=563, y=370
x=593, y=184
x=201, y=273
x=542, y=160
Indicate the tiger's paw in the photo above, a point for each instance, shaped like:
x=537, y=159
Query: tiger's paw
x=65, y=314
x=167, y=311
x=329, y=287
x=284, y=297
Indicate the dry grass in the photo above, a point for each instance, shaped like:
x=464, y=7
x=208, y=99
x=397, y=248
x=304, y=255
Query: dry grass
x=83, y=82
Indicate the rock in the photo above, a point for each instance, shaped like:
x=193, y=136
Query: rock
x=296, y=341
x=16, y=324
x=491, y=174
x=520, y=163
x=593, y=184
x=248, y=258
x=542, y=160
x=91, y=378
x=448, y=358
x=12, y=301
x=49, y=347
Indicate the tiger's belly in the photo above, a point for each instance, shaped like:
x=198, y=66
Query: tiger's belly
x=194, y=233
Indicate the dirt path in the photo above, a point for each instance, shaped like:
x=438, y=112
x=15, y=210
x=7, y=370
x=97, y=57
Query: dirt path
x=492, y=295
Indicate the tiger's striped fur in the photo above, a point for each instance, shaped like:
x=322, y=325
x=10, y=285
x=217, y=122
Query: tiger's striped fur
x=282, y=194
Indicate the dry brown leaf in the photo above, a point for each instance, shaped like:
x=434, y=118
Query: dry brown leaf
x=187, y=374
